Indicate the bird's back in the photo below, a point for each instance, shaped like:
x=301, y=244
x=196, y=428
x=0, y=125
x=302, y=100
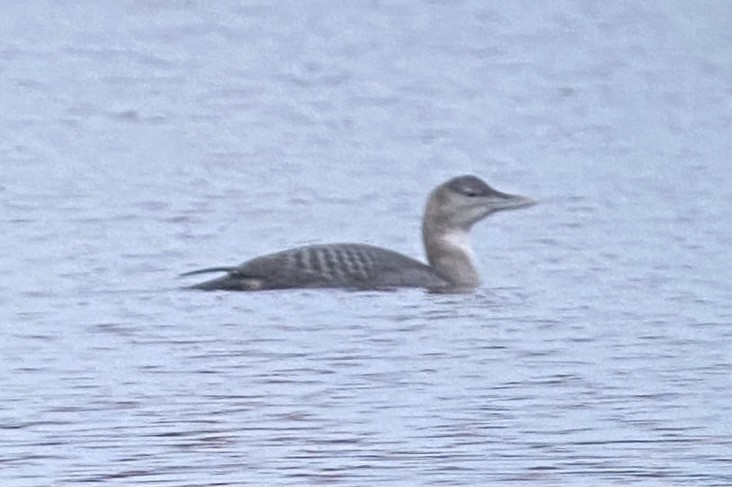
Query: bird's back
x=334, y=265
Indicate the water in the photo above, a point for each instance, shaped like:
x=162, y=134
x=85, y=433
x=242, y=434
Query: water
x=144, y=139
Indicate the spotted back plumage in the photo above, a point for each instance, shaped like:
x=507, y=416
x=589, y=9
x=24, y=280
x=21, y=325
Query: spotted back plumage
x=334, y=265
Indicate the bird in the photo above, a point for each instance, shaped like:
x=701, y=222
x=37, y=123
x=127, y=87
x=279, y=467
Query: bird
x=452, y=209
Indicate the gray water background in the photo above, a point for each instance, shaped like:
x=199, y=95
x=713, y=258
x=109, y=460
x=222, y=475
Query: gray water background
x=142, y=139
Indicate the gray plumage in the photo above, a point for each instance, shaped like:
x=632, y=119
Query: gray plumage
x=452, y=209
x=335, y=265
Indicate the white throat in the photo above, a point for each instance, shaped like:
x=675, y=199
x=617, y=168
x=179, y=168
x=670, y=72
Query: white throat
x=458, y=240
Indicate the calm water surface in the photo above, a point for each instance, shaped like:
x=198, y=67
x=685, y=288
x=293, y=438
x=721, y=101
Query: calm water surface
x=143, y=139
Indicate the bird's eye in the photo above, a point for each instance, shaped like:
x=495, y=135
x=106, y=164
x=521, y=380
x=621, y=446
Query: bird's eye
x=469, y=186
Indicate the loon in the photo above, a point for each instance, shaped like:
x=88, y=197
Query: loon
x=452, y=209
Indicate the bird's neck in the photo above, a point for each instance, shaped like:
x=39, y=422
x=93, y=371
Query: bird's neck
x=449, y=252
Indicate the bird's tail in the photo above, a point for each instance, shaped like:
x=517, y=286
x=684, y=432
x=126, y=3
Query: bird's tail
x=232, y=281
x=207, y=270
